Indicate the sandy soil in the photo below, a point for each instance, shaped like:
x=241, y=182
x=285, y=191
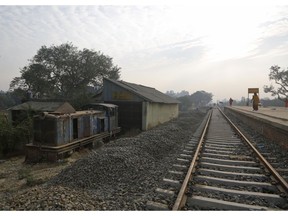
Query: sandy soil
x=16, y=175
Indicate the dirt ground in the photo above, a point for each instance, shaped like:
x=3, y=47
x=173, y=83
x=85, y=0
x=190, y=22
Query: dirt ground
x=16, y=175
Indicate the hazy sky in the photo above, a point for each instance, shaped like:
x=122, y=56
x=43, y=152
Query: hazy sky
x=222, y=47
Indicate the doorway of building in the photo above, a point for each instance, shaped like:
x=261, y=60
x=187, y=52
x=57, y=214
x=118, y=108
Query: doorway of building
x=75, y=128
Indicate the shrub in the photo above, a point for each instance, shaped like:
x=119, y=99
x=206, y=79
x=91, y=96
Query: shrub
x=12, y=138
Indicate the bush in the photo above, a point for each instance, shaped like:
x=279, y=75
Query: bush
x=30, y=179
x=12, y=138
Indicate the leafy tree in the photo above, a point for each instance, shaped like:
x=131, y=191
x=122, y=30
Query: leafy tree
x=281, y=79
x=197, y=99
x=183, y=93
x=186, y=102
x=271, y=102
x=64, y=72
x=8, y=99
x=171, y=93
x=201, y=98
x=242, y=102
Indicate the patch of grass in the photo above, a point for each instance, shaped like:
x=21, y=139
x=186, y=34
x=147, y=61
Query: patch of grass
x=30, y=179
x=23, y=173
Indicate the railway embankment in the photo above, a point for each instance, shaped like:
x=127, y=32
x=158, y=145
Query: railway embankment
x=271, y=122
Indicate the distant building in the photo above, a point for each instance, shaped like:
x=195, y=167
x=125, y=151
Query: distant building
x=19, y=112
x=140, y=106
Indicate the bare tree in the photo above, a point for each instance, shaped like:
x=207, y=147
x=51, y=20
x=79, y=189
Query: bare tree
x=280, y=77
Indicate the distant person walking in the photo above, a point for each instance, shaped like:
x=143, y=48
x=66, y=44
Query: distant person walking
x=230, y=101
x=255, y=101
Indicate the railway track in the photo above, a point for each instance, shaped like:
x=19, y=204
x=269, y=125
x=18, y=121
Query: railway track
x=222, y=170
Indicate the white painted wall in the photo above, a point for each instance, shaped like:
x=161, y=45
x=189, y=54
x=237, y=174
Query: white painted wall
x=157, y=113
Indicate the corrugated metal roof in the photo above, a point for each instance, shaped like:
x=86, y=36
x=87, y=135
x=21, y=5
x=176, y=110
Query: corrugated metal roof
x=103, y=104
x=145, y=92
x=42, y=106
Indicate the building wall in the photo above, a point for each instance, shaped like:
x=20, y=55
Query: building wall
x=112, y=92
x=158, y=113
x=63, y=130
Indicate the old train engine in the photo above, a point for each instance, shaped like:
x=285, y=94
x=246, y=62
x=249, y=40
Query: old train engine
x=55, y=134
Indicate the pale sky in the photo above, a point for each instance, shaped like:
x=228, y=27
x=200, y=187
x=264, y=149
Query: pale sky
x=221, y=47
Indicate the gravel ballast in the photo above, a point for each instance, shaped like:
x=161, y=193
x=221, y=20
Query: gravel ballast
x=121, y=175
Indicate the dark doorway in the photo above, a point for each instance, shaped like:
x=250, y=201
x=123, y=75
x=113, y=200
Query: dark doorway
x=75, y=128
x=86, y=121
x=129, y=114
x=102, y=125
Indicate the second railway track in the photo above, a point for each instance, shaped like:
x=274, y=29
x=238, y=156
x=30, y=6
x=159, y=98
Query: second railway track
x=221, y=172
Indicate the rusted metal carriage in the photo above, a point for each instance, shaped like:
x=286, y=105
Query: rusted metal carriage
x=56, y=134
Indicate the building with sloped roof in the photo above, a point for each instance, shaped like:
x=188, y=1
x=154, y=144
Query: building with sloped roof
x=140, y=107
x=19, y=112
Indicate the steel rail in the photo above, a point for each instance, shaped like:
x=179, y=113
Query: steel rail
x=179, y=201
x=276, y=175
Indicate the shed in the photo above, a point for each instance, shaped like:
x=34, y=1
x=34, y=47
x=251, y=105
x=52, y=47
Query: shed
x=19, y=112
x=139, y=106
